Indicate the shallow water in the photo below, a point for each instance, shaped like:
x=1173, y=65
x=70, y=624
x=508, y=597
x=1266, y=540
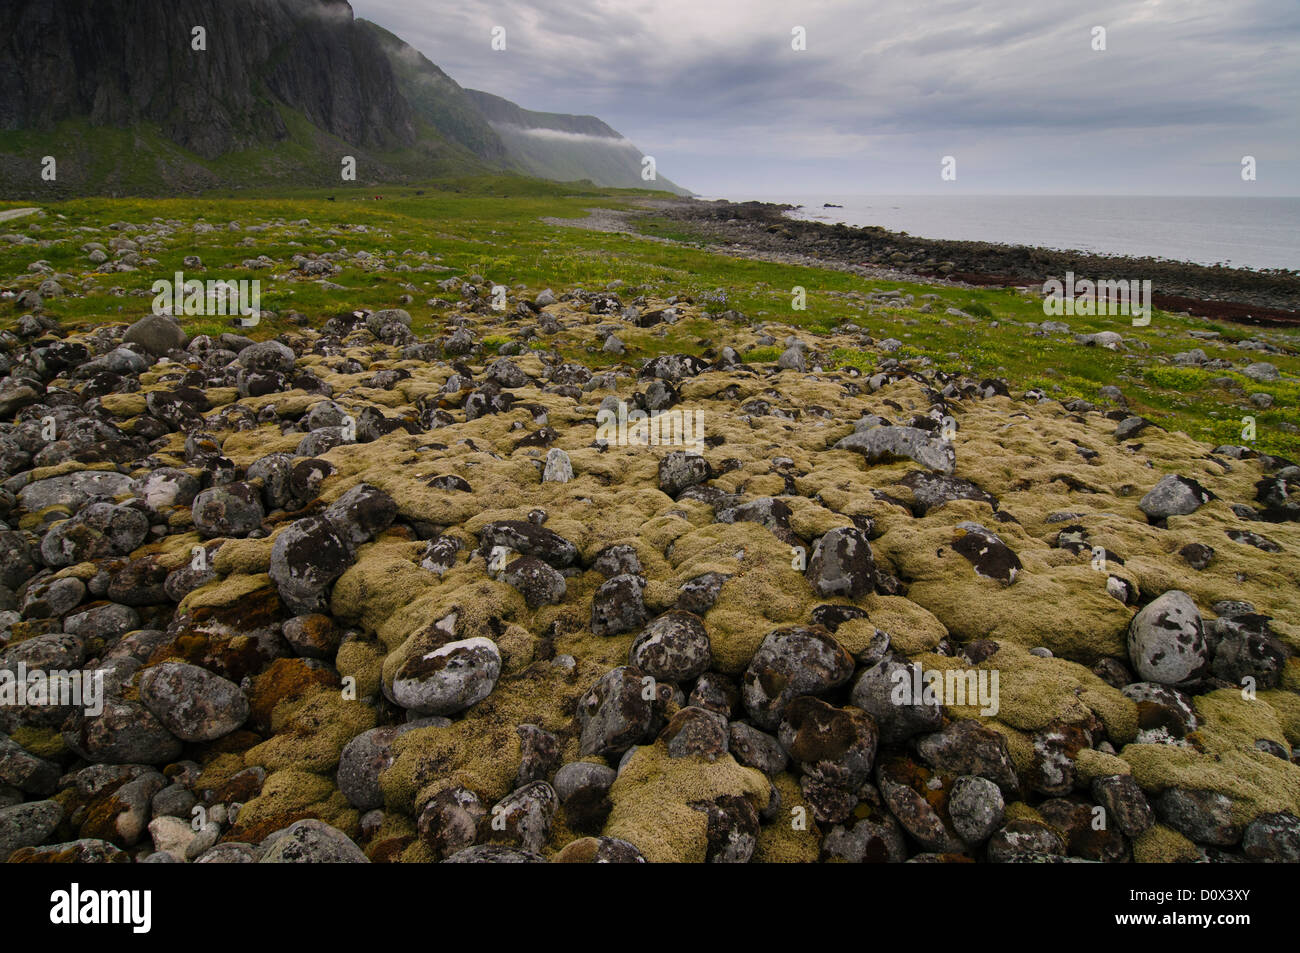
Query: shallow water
x=1247, y=232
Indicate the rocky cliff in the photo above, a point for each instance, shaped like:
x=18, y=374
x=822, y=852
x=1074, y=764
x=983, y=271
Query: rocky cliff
x=140, y=96
x=436, y=98
x=122, y=62
x=565, y=147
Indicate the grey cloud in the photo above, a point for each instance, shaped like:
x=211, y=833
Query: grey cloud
x=713, y=90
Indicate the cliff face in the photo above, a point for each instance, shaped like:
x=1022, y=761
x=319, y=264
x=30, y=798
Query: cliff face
x=498, y=110
x=123, y=62
x=565, y=147
x=436, y=99
x=116, y=91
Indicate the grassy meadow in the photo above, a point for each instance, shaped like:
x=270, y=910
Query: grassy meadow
x=493, y=227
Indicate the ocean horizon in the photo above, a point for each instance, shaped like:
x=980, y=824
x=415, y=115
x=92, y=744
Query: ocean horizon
x=1260, y=232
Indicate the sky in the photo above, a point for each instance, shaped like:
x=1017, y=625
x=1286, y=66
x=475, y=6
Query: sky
x=1013, y=90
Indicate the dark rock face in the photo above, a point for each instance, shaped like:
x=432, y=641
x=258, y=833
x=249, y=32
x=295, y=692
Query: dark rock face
x=1024, y=840
x=988, y=554
x=583, y=788
x=313, y=842
x=673, y=647
x=1203, y=816
x=230, y=510
x=600, y=850
x=523, y=817
x=968, y=748
x=449, y=822
x=191, y=702
x=616, y=713
x=120, y=63
x=1245, y=647
x=756, y=749
x=920, y=805
x=360, y=764
x=124, y=733
x=932, y=490
x=362, y=512
x=618, y=606
x=538, y=582
x=1124, y=802
x=1165, y=716
x=836, y=746
x=306, y=559
x=792, y=661
x=680, y=469
x=699, y=594
x=696, y=732
x=1273, y=838
x=732, y=829
x=842, y=564
x=528, y=539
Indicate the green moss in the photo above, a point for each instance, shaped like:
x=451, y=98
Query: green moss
x=652, y=800
x=1035, y=693
x=782, y=842
x=288, y=796
x=761, y=355
x=1222, y=758
x=1163, y=845
x=310, y=733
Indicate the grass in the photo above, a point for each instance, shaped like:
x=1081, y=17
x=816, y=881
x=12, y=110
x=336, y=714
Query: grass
x=492, y=226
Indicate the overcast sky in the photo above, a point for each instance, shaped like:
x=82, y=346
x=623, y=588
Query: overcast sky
x=1012, y=89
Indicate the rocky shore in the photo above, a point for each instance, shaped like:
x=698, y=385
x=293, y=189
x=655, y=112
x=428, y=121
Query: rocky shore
x=359, y=597
x=1243, y=295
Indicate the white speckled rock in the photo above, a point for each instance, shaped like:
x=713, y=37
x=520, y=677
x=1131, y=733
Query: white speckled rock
x=448, y=679
x=1166, y=641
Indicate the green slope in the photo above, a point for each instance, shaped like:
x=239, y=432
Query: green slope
x=565, y=147
x=437, y=100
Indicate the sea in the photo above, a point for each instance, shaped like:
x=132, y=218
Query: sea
x=1244, y=232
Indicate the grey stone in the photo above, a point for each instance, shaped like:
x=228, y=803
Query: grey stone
x=882, y=444
x=1174, y=496
x=1166, y=641
x=672, y=647
x=976, y=807
x=311, y=842
x=157, y=334
x=447, y=679
x=191, y=702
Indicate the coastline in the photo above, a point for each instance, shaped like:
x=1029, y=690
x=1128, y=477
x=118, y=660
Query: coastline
x=1265, y=297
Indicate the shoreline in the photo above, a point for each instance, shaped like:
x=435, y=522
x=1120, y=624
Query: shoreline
x=1266, y=297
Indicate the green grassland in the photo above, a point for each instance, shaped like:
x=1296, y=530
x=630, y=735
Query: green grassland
x=493, y=226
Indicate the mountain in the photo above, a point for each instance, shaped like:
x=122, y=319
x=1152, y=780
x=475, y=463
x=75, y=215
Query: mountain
x=563, y=147
x=436, y=99
x=115, y=91
x=122, y=62
x=547, y=145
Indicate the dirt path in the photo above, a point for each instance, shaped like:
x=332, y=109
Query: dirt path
x=16, y=213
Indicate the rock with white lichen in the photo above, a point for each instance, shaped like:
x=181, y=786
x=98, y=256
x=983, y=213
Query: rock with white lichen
x=366, y=592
